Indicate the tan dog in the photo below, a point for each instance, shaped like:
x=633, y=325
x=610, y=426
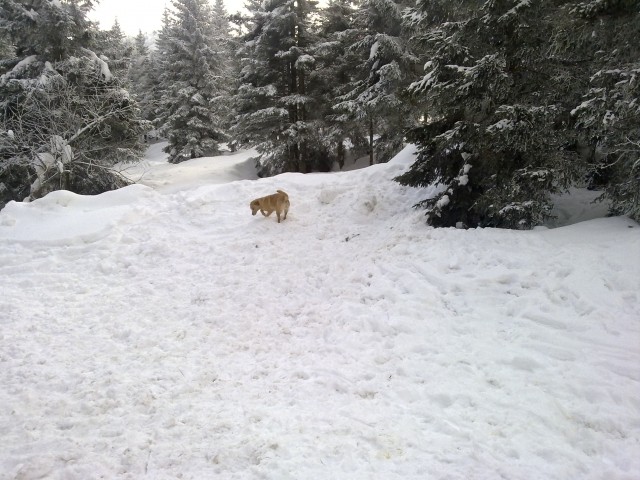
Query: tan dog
x=278, y=202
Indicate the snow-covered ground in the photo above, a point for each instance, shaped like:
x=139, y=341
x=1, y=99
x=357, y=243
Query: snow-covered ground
x=166, y=333
x=165, y=177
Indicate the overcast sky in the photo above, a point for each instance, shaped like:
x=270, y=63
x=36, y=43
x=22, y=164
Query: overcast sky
x=135, y=15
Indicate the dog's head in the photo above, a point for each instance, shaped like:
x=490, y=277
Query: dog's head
x=255, y=206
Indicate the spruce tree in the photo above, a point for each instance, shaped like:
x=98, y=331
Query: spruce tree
x=141, y=78
x=521, y=100
x=228, y=73
x=382, y=71
x=274, y=104
x=159, y=65
x=192, y=80
x=495, y=133
x=116, y=48
x=46, y=28
x=606, y=36
x=343, y=134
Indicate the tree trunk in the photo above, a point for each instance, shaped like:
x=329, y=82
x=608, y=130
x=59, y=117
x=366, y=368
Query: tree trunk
x=302, y=116
x=341, y=155
x=294, y=158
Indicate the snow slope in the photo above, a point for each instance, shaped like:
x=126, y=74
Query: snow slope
x=166, y=333
x=165, y=177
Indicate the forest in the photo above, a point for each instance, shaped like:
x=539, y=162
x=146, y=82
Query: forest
x=508, y=101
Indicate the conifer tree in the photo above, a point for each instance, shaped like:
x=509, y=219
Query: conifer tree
x=333, y=76
x=521, y=99
x=116, y=48
x=141, y=78
x=220, y=22
x=65, y=119
x=607, y=34
x=273, y=103
x=140, y=44
x=160, y=64
x=47, y=28
x=381, y=73
x=495, y=132
x=192, y=80
x=228, y=72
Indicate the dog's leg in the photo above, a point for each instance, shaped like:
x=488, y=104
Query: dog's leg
x=264, y=213
x=278, y=214
x=286, y=210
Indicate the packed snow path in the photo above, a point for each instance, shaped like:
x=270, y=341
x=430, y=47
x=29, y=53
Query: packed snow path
x=173, y=335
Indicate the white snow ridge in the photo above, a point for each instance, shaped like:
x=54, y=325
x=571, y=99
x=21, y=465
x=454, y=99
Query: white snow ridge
x=166, y=333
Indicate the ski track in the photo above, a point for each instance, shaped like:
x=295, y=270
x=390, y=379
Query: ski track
x=188, y=339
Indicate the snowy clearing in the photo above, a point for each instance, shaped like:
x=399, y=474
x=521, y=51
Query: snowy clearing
x=166, y=333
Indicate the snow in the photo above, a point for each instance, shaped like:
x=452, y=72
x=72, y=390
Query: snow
x=463, y=178
x=295, y=99
x=165, y=177
x=584, y=105
x=18, y=68
x=46, y=74
x=519, y=6
x=374, y=49
x=24, y=63
x=305, y=60
x=460, y=69
x=578, y=205
x=443, y=202
x=102, y=65
x=32, y=14
x=161, y=331
x=503, y=124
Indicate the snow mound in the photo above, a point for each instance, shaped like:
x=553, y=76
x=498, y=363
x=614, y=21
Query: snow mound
x=65, y=218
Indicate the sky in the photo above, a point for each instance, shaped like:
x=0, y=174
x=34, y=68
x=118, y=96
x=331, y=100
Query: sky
x=133, y=16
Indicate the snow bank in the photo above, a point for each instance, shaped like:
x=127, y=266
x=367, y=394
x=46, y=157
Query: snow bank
x=173, y=335
x=65, y=218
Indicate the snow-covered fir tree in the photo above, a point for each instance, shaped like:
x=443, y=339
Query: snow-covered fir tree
x=159, y=63
x=220, y=23
x=141, y=44
x=274, y=105
x=495, y=105
x=383, y=69
x=521, y=100
x=116, y=49
x=228, y=73
x=142, y=79
x=192, y=81
x=607, y=34
x=65, y=118
x=344, y=135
